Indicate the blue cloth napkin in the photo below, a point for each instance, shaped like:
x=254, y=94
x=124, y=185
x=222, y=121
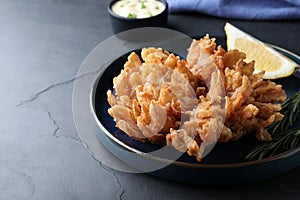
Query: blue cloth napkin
x=240, y=9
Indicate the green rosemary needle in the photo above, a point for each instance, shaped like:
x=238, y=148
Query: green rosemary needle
x=283, y=138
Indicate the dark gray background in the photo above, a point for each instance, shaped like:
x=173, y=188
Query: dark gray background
x=42, y=44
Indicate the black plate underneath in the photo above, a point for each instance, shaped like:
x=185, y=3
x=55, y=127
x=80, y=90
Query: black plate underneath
x=225, y=164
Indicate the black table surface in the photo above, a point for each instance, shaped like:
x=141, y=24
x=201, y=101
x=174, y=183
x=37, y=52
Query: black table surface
x=42, y=45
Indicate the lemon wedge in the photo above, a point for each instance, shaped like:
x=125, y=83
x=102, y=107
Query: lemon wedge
x=266, y=58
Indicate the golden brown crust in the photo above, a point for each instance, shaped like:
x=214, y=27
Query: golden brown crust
x=191, y=104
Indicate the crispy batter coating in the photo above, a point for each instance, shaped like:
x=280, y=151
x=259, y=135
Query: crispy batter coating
x=192, y=104
x=149, y=97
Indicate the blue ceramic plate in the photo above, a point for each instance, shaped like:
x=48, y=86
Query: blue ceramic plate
x=224, y=165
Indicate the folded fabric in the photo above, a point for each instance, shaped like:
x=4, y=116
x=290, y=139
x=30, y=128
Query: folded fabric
x=240, y=9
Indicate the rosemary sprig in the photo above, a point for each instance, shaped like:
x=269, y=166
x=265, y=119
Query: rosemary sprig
x=290, y=110
x=284, y=141
x=284, y=138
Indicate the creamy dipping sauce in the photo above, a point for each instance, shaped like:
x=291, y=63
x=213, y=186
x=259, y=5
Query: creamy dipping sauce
x=138, y=8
